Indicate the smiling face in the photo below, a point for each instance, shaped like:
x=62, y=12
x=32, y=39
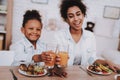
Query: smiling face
x=75, y=18
x=32, y=30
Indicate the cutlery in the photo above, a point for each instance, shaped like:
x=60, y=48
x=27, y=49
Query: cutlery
x=14, y=77
x=85, y=71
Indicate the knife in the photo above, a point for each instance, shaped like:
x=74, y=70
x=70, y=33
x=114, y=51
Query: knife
x=14, y=77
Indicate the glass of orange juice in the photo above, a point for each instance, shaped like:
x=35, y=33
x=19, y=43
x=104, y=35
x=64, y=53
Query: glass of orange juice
x=63, y=54
x=51, y=50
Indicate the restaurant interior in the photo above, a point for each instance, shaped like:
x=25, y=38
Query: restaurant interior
x=103, y=17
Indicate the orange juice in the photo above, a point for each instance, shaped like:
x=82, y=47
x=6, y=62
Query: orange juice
x=52, y=62
x=64, y=58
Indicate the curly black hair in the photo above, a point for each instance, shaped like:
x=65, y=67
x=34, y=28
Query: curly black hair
x=66, y=4
x=30, y=15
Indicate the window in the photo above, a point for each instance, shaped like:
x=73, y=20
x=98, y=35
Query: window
x=40, y=1
x=111, y=12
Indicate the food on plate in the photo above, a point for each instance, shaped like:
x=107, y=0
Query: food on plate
x=100, y=68
x=23, y=67
x=32, y=69
x=105, y=69
x=118, y=71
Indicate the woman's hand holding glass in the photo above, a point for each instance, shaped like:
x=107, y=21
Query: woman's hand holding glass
x=62, y=56
x=59, y=60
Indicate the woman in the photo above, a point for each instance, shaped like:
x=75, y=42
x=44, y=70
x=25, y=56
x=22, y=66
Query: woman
x=30, y=43
x=82, y=43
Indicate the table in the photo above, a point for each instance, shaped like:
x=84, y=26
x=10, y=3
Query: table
x=74, y=73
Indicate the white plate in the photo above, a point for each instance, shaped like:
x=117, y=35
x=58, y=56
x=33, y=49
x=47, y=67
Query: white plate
x=24, y=73
x=99, y=73
x=116, y=76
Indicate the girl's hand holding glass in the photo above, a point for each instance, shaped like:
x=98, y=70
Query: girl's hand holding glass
x=43, y=57
x=50, y=59
x=62, y=55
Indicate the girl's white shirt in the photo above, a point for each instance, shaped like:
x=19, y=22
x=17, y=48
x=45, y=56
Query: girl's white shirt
x=24, y=50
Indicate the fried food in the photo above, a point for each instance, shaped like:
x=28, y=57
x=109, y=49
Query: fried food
x=23, y=67
x=100, y=68
x=32, y=69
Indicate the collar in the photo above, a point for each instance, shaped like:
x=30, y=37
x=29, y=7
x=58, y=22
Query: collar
x=69, y=37
x=27, y=43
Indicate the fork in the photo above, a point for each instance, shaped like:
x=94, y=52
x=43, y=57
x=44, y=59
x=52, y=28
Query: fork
x=14, y=77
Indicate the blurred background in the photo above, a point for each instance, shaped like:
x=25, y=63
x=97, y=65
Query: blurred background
x=103, y=14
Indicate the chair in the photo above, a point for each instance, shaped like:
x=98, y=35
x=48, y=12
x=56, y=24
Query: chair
x=6, y=58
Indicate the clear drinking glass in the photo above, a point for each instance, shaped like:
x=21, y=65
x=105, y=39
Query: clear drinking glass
x=117, y=77
x=51, y=49
x=63, y=53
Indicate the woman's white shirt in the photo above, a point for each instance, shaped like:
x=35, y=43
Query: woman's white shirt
x=84, y=50
x=24, y=50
